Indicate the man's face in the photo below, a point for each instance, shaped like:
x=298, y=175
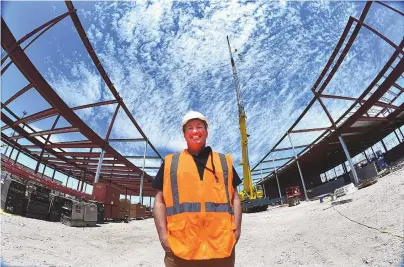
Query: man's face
x=195, y=134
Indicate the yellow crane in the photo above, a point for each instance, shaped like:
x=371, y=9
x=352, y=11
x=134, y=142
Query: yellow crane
x=252, y=197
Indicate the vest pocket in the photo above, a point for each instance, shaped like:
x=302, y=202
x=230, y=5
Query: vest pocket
x=177, y=237
x=218, y=193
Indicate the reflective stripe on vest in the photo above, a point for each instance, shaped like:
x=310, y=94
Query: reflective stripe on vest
x=196, y=206
x=226, y=181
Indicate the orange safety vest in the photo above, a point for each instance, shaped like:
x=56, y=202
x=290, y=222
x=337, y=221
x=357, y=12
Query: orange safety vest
x=200, y=216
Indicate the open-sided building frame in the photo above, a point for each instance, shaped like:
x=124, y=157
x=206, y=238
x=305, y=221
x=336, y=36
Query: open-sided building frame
x=108, y=165
x=360, y=127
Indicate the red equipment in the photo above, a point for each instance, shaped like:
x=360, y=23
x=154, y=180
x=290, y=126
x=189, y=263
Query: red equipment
x=293, y=195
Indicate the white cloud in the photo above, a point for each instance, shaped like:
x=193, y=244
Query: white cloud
x=168, y=57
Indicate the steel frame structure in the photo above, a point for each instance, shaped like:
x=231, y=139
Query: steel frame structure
x=113, y=167
x=357, y=129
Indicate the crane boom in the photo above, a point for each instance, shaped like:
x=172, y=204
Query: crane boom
x=247, y=181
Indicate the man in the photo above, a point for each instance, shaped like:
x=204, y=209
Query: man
x=197, y=210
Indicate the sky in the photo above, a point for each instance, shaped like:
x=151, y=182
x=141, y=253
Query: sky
x=168, y=57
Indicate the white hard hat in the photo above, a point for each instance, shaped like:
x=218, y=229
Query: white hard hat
x=193, y=115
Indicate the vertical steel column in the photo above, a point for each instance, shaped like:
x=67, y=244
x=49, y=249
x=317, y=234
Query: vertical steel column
x=142, y=177
x=150, y=202
x=126, y=193
x=344, y=167
x=130, y=198
x=83, y=181
x=384, y=146
x=400, y=132
x=335, y=174
x=374, y=154
x=399, y=141
x=366, y=156
x=97, y=174
x=18, y=154
x=67, y=181
x=85, y=188
x=355, y=176
x=263, y=184
x=54, y=172
x=298, y=166
x=43, y=172
x=277, y=181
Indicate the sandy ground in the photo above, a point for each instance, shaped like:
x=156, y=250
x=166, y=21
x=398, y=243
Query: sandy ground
x=311, y=234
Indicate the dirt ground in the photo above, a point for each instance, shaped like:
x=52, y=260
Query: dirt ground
x=310, y=234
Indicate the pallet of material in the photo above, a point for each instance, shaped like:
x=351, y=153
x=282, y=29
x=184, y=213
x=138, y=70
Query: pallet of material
x=367, y=183
x=137, y=211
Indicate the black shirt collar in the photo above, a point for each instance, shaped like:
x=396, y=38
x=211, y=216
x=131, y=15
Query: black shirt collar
x=204, y=153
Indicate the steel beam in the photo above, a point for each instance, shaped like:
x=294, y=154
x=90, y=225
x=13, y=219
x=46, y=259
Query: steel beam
x=348, y=156
x=127, y=140
x=16, y=95
x=141, y=157
x=85, y=154
x=33, y=140
x=260, y=170
x=279, y=159
x=52, y=22
x=101, y=70
x=143, y=172
x=379, y=34
x=378, y=103
x=300, y=171
x=277, y=182
x=72, y=145
x=309, y=130
x=44, y=114
x=346, y=48
x=112, y=122
x=97, y=174
x=392, y=77
x=392, y=8
x=46, y=142
x=56, y=131
x=372, y=119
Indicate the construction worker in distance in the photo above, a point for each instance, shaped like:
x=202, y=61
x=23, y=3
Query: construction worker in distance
x=197, y=210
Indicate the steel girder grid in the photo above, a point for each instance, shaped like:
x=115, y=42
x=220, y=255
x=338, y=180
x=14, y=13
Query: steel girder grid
x=360, y=126
x=112, y=168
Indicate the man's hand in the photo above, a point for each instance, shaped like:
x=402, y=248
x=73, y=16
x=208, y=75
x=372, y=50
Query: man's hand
x=237, y=214
x=160, y=220
x=164, y=243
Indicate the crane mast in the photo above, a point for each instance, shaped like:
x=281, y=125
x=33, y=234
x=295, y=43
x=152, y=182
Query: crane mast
x=247, y=181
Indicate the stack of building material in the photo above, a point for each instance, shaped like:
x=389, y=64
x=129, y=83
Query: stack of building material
x=77, y=213
x=38, y=201
x=137, y=211
x=108, y=195
x=148, y=213
x=345, y=190
x=100, y=211
x=124, y=208
x=13, y=196
x=56, y=207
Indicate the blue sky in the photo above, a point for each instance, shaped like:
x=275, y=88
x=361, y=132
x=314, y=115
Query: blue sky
x=166, y=58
